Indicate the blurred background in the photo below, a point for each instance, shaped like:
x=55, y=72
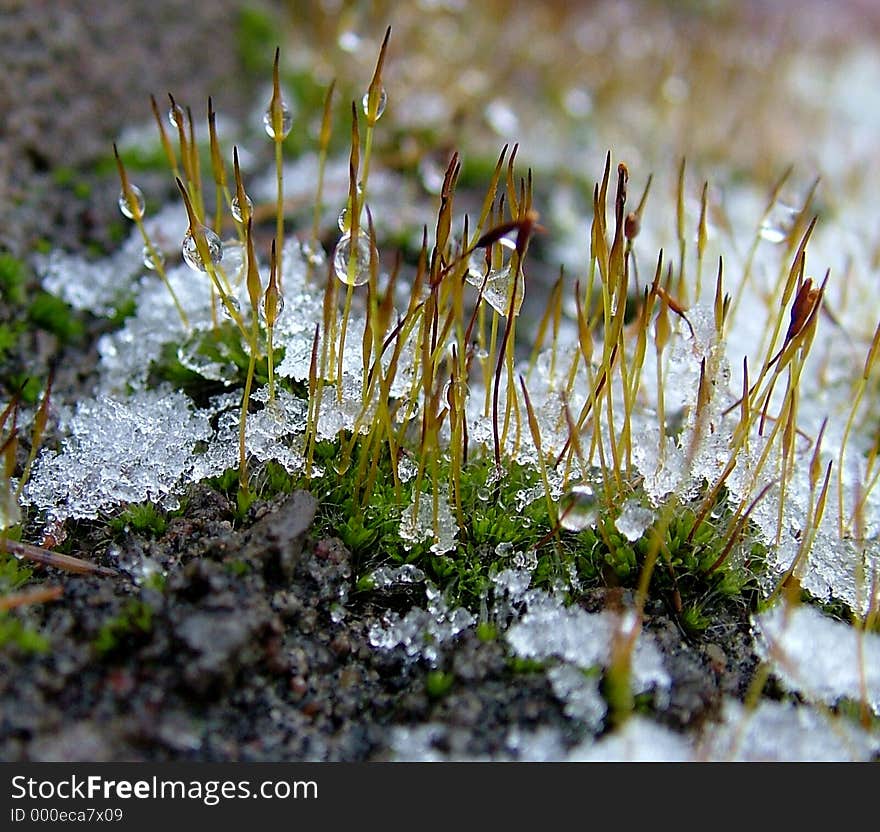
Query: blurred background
x=742, y=89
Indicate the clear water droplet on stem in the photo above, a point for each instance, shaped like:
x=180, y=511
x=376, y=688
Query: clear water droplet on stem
x=358, y=272
x=139, y=205
x=191, y=252
x=343, y=222
x=175, y=116
x=153, y=259
x=286, y=122
x=578, y=508
x=279, y=307
x=235, y=207
x=230, y=306
x=382, y=102
x=778, y=223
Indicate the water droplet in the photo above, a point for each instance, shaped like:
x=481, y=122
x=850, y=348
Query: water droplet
x=176, y=116
x=138, y=207
x=383, y=100
x=286, y=122
x=778, y=223
x=229, y=305
x=154, y=259
x=497, y=286
x=191, y=253
x=235, y=207
x=343, y=221
x=357, y=273
x=483, y=494
x=279, y=307
x=578, y=508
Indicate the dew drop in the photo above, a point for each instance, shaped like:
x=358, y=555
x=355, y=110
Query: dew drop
x=229, y=305
x=235, y=207
x=357, y=273
x=191, y=253
x=279, y=307
x=383, y=100
x=343, y=221
x=286, y=122
x=483, y=494
x=778, y=223
x=578, y=508
x=154, y=259
x=139, y=205
x=175, y=116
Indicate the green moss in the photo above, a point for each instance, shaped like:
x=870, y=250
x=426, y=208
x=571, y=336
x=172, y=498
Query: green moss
x=133, y=623
x=141, y=518
x=71, y=179
x=518, y=665
x=13, y=277
x=486, y=631
x=13, y=574
x=257, y=31
x=54, y=315
x=17, y=636
x=438, y=683
x=237, y=567
x=9, y=335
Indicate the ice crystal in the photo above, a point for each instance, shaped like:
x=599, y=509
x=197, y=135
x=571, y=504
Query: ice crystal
x=633, y=519
x=639, y=740
x=117, y=452
x=823, y=659
x=584, y=640
x=421, y=632
x=427, y=521
x=386, y=576
x=580, y=695
x=785, y=732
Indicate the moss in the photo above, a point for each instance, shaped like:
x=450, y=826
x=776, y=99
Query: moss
x=438, y=683
x=256, y=28
x=141, y=518
x=13, y=279
x=525, y=666
x=72, y=180
x=54, y=315
x=133, y=624
x=15, y=635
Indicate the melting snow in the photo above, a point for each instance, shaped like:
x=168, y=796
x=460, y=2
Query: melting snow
x=825, y=660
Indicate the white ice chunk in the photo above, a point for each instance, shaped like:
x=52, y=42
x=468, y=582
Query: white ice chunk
x=117, y=452
x=820, y=657
x=785, y=732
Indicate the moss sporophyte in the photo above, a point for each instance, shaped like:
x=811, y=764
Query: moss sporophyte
x=618, y=442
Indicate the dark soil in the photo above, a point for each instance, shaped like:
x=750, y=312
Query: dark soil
x=241, y=658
